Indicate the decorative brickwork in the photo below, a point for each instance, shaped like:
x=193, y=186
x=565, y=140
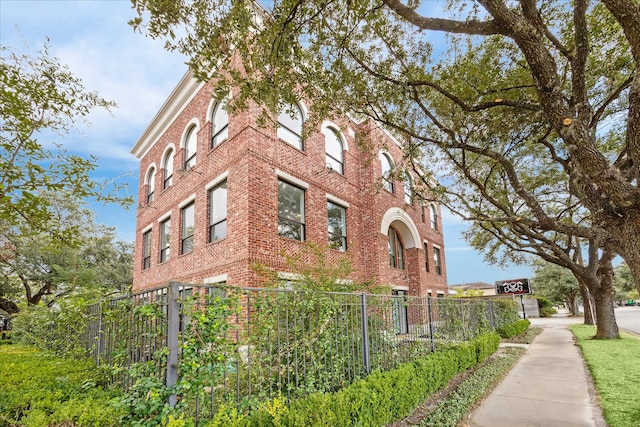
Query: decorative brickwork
x=252, y=160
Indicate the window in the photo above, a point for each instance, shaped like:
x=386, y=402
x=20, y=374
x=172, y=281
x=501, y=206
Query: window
x=423, y=213
x=387, y=179
x=290, y=211
x=219, y=124
x=426, y=257
x=150, y=183
x=396, y=259
x=146, y=250
x=408, y=188
x=290, y=125
x=218, y=212
x=188, y=226
x=436, y=261
x=190, y=148
x=434, y=216
x=335, y=151
x=165, y=239
x=167, y=167
x=337, y=226
x=400, y=313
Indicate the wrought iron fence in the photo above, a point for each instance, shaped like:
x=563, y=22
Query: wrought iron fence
x=278, y=341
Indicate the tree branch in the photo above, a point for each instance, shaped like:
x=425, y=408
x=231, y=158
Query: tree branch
x=471, y=27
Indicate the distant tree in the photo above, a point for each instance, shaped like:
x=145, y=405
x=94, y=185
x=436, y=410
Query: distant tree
x=41, y=100
x=35, y=267
x=624, y=283
x=556, y=284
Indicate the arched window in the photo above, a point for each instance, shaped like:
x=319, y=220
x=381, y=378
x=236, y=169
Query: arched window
x=433, y=212
x=290, y=125
x=335, y=150
x=150, y=184
x=219, y=123
x=387, y=179
x=167, y=167
x=408, y=188
x=190, y=147
x=396, y=258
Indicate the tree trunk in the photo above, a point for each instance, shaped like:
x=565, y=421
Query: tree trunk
x=9, y=306
x=588, y=303
x=607, y=328
x=575, y=308
x=603, y=293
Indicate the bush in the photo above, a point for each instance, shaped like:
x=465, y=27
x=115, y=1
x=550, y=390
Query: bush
x=547, y=311
x=381, y=397
x=513, y=329
x=43, y=390
x=58, y=329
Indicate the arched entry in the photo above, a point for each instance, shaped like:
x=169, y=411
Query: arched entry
x=403, y=225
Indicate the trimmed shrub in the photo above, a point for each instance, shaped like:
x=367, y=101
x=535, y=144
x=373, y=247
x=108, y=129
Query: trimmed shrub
x=381, y=397
x=514, y=329
x=44, y=390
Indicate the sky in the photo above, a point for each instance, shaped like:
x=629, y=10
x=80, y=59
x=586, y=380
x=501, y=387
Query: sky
x=93, y=38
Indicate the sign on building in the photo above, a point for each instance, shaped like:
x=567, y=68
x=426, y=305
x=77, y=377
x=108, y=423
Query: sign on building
x=513, y=287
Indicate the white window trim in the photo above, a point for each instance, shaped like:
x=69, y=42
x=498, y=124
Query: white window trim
x=193, y=123
x=328, y=126
x=337, y=201
x=399, y=288
x=147, y=228
x=290, y=276
x=215, y=279
x=217, y=180
x=214, y=102
x=170, y=146
x=146, y=174
x=187, y=201
x=292, y=179
x=164, y=216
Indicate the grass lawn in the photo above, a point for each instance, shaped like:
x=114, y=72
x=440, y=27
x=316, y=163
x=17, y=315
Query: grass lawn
x=39, y=389
x=615, y=367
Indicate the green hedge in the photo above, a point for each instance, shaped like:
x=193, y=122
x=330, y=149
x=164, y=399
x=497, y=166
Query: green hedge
x=39, y=389
x=376, y=400
x=514, y=329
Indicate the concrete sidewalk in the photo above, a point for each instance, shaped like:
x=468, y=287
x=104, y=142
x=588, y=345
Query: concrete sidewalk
x=548, y=387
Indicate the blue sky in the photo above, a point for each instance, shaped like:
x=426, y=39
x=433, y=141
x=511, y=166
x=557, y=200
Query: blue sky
x=92, y=37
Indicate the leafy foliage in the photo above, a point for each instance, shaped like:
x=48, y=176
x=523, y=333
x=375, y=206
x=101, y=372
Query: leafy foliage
x=535, y=131
x=40, y=389
x=456, y=405
x=513, y=329
x=41, y=99
x=555, y=283
x=36, y=267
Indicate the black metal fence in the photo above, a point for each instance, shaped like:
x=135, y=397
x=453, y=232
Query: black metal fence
x=254, y=344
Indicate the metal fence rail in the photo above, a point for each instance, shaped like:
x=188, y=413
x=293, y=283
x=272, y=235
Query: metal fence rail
x=278, y=341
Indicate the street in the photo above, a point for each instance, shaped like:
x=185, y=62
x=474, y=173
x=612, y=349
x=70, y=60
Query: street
x=629, y=318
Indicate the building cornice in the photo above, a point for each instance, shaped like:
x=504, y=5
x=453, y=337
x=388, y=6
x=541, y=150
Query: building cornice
x=182, y=94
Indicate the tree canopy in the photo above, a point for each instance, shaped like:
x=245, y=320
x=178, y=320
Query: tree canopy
x=36, y=267
x=547, y=88
x=41, y=101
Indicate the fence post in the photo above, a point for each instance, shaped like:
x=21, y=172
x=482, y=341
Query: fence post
x=173, y=323
x=492, y=320
x=365, y=333
x=430, y=313
x=100, y=343
x=464, y=336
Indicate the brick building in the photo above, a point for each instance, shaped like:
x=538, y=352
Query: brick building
x=219, y=193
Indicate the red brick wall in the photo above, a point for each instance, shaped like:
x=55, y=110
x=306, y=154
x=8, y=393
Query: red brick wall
x=251, y=156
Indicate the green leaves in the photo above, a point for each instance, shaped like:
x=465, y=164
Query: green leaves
x=40, y=99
